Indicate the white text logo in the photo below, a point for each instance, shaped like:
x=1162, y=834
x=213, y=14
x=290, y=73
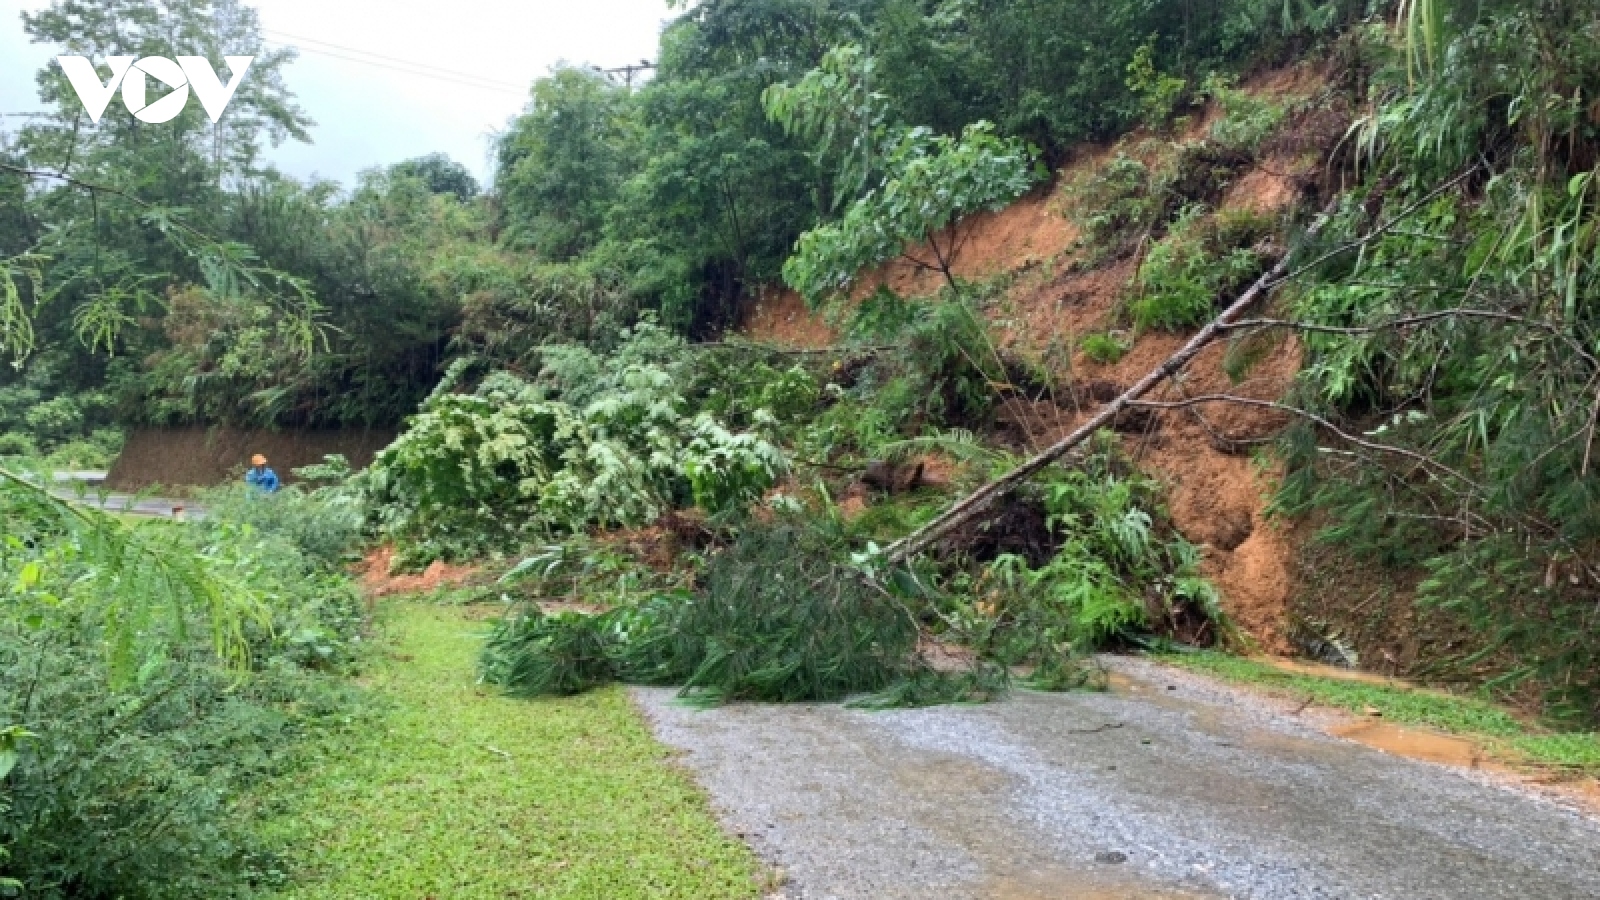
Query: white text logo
x=187, y=72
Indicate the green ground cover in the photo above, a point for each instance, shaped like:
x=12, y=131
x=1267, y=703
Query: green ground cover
x=1497, y=727
x=451, y=790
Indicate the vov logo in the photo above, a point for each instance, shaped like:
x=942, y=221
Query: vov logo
x=180, y=75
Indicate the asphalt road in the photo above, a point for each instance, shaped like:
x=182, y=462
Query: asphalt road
x=1194, y=791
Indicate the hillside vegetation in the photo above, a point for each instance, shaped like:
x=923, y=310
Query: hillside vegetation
x=680, y=384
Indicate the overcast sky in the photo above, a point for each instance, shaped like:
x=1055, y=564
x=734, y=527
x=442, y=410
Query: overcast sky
x=373, y=113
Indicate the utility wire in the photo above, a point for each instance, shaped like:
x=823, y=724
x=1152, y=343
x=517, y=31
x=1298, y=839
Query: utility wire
x=378, y=60
x=393, y=59
x=457, y=81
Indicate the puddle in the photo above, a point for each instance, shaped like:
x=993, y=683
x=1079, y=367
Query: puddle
x=1322, y=670
x=1412, y=743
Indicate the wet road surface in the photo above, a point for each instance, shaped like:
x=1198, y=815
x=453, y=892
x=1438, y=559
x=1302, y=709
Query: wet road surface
x=1198, y=791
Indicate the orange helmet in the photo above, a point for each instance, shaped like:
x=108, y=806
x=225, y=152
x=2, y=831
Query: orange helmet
x=258, y=460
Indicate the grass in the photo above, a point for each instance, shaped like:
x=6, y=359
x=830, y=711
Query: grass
x=1496, y=727
x=451, y=790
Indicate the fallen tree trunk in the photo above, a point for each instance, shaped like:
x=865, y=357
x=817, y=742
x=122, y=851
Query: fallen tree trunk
x=974, y=504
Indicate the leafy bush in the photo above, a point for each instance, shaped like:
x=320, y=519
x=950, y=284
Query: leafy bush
x=1115, y=203
x=903, y=186
x=1159, y=94
x=141, y=736
x=1103, y=348
x=1119, y=573
x=14, y=444
x=1246, y=120
x=952, y=362
x=484, y=472
x=1201, y=259
x=55, y=418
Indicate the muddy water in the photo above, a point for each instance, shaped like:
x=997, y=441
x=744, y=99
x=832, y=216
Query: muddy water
x=1412, y=743
x=1422, y=744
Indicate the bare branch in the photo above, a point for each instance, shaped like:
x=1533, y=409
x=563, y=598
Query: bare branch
x=1420, y=319
x=1422, y=459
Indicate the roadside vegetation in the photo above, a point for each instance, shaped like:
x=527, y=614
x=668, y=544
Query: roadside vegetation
x=152, y=674
x=1504, y=733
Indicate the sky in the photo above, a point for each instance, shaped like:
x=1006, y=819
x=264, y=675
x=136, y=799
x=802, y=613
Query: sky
x=432, y=77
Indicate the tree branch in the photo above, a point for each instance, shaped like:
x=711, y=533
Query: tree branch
x=1420, y=319
x=978, y=501
x=1421, y=459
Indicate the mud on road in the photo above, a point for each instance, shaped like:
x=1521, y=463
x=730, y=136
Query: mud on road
x=1178, y=787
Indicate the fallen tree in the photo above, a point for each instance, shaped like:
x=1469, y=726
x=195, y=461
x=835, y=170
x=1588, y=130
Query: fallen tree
x=975, y=504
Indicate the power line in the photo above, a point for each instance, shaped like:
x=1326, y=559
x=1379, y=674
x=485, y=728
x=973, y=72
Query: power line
x=643, y=65
x=407, y=66
x=457, y=81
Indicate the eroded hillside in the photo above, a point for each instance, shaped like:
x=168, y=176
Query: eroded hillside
x=1051, y=281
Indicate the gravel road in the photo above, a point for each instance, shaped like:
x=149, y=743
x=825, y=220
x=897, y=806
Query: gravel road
x=1173, y=787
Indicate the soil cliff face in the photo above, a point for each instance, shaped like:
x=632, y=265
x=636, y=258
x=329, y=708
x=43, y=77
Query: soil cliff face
x=1060, y=291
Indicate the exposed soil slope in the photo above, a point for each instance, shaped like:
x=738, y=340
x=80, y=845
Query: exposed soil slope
x=1054, y=299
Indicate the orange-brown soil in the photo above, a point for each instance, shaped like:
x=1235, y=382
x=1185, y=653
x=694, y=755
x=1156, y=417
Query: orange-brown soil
x=780, y=316
x=1217, y=492
x=377, y=581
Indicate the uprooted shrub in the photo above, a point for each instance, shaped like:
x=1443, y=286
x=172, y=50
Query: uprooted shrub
x=778, y=619
x=592, y=441
x=1118, y=574
x=779, y=616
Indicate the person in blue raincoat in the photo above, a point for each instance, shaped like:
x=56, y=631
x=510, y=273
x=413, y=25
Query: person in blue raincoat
x=260, y=476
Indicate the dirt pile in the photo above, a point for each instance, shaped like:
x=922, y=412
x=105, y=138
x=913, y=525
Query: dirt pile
x=377, y=581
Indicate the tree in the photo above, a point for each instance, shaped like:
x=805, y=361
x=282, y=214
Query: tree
x=562, y=162
x=926, y=183
x=440, y=173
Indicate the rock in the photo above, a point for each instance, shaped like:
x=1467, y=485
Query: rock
x=890, y=478
x=1111, y=856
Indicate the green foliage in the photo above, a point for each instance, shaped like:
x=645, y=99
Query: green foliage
x=952, y=364
x=778, y=619
x=440, y=173
x=931, y=182
x=158, y=671
x=1246, y=119
x=322, y=525
x=537, y=655
x=1116, y=202
x=1496, y=390
x=1159, y=94
x=1118, y=573
x=1103, y=348
x=835, y=109
x=618, y=444
x=1201, y=260
x=1056, y=72
x=562, y=163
